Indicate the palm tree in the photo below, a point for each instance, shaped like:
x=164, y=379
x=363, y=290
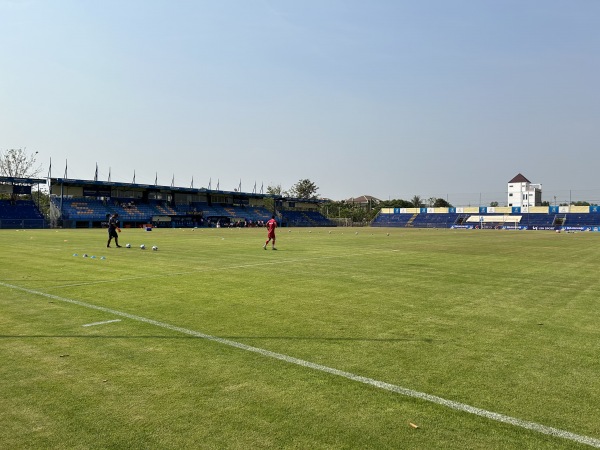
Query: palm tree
x=416, y=201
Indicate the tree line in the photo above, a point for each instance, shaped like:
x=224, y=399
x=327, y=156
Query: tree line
x=356, y=212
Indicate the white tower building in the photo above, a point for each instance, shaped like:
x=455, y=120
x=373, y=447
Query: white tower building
x=522, y=193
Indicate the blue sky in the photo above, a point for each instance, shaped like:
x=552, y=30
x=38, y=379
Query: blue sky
x=392, y=99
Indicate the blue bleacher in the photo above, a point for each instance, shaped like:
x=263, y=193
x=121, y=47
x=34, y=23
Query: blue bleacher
x=441, y=220
x=537, y=220
x=20, y=214
x=237, y=213
x=434, y=220
x=582, y=220
x=86, y=211
x=305, y=219
x=392, y=220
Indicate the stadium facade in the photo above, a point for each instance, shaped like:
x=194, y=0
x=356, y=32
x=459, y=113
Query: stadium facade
x=86, y=204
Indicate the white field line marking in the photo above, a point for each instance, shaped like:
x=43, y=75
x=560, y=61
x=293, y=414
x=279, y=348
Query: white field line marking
x=100, y=323
x=533, y=426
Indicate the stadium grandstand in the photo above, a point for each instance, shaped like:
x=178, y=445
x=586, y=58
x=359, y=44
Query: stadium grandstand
x=86, y=204
x=18, y=206
x=567, y=218
x=524, y=211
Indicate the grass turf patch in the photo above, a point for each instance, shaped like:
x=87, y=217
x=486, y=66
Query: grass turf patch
x=504, y=321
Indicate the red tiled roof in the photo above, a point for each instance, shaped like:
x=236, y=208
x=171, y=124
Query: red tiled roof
x=519, y=179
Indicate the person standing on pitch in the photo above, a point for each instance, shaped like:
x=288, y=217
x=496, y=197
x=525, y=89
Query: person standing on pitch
x=271, y=225
x=113, y=229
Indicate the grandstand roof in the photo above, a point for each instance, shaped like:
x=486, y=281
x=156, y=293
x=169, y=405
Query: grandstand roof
x=519, y=179
x=75, y=182
x=18, y=180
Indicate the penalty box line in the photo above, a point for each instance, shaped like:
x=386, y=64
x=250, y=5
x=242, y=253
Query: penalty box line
x=457, y=406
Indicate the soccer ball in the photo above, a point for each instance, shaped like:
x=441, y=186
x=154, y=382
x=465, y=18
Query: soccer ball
x=143, y=247
x=154, y=247
x=127, y=245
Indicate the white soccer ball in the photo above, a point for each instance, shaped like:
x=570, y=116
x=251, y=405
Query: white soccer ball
x=154, y=247
x=127, y=245
x=143, y=247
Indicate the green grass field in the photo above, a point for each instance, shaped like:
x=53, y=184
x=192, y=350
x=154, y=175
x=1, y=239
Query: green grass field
x=109, y=353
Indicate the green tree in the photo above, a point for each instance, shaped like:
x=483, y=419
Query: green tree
x=274, y=190
x=269, y=202
x=343, y=209
x=441, y=203
x=305, y=189
x=18, y=164
x=42, y=200
x=395, y=203
x=493, y=204
x=357, y=212
x=417, y=201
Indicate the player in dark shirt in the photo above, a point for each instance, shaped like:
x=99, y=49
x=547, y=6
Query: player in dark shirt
x=113, y=229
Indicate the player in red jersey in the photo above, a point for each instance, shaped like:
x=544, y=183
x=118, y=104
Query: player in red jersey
x=271, y=225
